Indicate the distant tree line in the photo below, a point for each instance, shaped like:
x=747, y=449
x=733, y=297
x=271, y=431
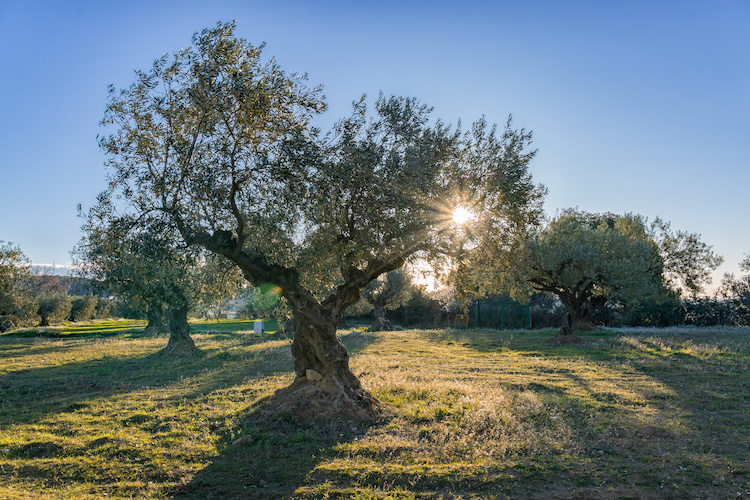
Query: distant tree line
x=38, y=299
x=33, y=298
x=30, y=297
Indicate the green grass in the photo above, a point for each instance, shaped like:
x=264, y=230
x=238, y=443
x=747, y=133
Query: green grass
x=93, y=411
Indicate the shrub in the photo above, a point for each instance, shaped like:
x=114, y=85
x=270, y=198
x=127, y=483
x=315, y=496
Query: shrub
x=655, y=310
x=705, y=311
x=737, y=292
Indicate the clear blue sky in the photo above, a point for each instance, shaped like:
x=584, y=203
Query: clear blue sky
x=638, y=106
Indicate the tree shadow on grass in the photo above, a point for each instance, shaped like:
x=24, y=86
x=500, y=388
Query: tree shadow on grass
x=276, y=454
x=658, y=414
x=77, y=331
x=272, y=460
x=278, y=458
x=30, y=394
x=285, y=459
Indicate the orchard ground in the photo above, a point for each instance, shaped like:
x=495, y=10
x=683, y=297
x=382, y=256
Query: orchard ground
x=95, y=411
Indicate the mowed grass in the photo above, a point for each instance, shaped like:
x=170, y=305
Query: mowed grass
x=466, y=414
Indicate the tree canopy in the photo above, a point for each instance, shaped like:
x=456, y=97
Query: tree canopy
x=220, y=146
x=585, y=259
x=688, y=262
x=737, y=290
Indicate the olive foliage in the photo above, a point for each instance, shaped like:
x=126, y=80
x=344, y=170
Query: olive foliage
x=151, y=269
x=585, y=259
x=688, y=262
x=17, y=303
x=735, y=292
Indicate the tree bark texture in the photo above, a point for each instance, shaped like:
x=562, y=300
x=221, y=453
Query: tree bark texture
x=381, y=323
x=180, y=342
x=324, y=386
x=579, y=302
x=155, y=324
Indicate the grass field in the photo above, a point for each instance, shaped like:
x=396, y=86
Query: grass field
x=95, y=412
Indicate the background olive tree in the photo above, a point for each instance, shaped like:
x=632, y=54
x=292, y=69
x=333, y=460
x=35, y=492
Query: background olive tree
x=734, y=293
x=152, y=269
x=589, y=260
x=54, y=307
x=17, y=304
x=687, y=261
x=389, y=291
x=585, y=259
x=83, y=307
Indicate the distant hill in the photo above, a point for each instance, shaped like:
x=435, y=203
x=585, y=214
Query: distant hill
x=71, y=285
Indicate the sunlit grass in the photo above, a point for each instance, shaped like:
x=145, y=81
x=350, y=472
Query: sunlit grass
x=467, y=414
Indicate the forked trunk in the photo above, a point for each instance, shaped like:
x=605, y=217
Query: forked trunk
x=381, y=323
x=325, y=386
x=180, y=342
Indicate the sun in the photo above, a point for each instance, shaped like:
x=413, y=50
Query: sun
x=461, y=215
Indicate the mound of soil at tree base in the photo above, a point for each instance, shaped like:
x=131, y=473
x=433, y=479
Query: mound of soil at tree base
x=183, y=348
x=306, y=401
x=381, y=325
x=585, y=326
x=180, y=352
x=565, y=336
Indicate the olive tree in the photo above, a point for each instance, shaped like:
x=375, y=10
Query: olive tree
x=736, y=291
x=83, y=308
x=585, y=258
x=389, y=291
x=220, y=144
x=54, y=307
x=16, y=300
x=588, y=259
x=688, y=262
x=151, y=269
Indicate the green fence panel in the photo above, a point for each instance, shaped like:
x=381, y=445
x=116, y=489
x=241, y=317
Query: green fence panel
x=503, y=315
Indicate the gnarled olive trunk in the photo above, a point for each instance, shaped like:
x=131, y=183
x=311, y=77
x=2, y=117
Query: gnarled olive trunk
x=180, y=342
x=324, y=386
x=578, y=312
x=381, y=323
x=155, y=324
